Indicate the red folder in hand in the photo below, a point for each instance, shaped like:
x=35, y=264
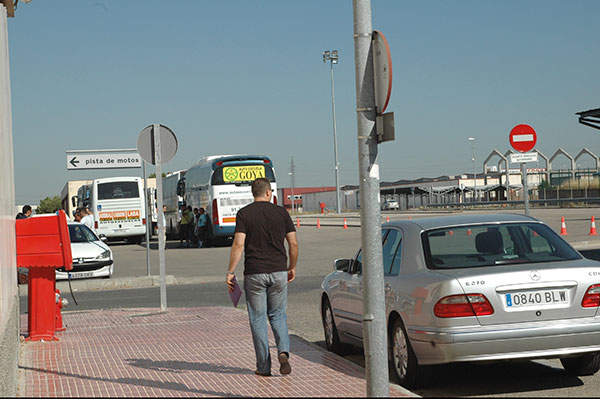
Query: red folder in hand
x=236, y=293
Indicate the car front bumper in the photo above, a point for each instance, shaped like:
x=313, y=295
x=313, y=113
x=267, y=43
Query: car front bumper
x=523, y=341
x=87, y=269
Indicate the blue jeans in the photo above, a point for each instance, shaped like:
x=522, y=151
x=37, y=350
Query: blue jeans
x=266, y=296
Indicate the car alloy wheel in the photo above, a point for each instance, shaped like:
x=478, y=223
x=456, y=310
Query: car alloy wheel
x=332, y=340
x=405, y=362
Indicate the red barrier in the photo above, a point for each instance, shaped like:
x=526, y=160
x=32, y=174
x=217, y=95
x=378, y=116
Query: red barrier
x=43, y=245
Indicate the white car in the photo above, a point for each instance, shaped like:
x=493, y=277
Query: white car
x=91, y=256
x=390, y=205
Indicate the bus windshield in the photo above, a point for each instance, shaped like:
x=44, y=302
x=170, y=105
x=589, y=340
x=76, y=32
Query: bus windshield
x=118, y=190
x=242, y=174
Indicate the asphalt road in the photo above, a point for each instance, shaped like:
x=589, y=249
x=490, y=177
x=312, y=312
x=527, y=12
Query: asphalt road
x=201, y=272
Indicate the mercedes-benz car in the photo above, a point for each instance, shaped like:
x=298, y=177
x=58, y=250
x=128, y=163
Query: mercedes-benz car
x=91, y=256
x=472, y=288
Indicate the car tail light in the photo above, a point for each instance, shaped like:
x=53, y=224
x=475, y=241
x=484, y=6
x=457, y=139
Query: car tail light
x=591, y=299
x=96, y=224
x=215, y=213
x=144, y=221
x=463, y=306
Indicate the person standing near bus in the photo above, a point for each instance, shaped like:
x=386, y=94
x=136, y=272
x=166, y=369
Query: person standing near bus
x=186, y=221
x=201, y=226
x=260, y=231
x=88, y=217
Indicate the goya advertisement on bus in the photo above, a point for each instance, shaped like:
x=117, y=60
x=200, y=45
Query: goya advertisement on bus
x=236, y=174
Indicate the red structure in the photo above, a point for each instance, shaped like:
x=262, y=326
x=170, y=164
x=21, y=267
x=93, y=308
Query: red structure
x=286, y=194
x=43, y=244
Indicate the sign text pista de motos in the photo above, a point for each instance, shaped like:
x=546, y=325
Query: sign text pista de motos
x=99, y=160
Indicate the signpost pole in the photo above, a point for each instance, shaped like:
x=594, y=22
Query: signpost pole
x=159, y=196
x=374, y=323
x=525, y=188
x=148, y=219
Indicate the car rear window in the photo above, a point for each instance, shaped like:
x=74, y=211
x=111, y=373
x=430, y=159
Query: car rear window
x=494, y=245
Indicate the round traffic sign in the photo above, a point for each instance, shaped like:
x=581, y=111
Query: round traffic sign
x=523, y=138
x=163, y=144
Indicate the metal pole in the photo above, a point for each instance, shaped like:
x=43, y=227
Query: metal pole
x=335, y=147
x=148, y=219
x=525, y=188
x=474, y=172
x=161, y=239
x=374, y=323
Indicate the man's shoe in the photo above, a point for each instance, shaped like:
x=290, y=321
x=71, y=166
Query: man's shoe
x=284, y=363
x=261, y=374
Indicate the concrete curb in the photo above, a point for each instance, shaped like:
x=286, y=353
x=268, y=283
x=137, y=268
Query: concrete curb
x=107, y=284
x=579, y=245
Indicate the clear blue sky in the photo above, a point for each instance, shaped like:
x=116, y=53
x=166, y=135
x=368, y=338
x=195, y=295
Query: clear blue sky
x=248, y=77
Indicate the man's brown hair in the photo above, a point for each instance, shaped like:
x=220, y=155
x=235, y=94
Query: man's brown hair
x=260, y=187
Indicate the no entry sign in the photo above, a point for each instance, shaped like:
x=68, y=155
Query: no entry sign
x=522, y=138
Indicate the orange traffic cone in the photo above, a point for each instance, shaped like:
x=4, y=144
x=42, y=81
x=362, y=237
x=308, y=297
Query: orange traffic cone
x=318, y=223
x=387, y=219
x=593, y=228
x=345, y=224
x=469, y=232
x=297, y=222
x=563, y=227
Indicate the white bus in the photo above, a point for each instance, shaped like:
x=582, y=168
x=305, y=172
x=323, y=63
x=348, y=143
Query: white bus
x=221, y=185
x=173, y=201
x=118, y=207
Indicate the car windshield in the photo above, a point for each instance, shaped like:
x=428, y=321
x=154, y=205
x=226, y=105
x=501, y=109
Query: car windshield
x=81, y=233
x=494, y=244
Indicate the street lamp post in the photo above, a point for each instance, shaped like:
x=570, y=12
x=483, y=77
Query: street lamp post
x=332, y=56
x=472, y=140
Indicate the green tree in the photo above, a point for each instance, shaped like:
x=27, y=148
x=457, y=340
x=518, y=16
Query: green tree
x=163, y=174
x=545, y=185
x=49, y=205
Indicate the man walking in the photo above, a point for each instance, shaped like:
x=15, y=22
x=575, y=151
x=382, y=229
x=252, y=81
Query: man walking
x=260, y=231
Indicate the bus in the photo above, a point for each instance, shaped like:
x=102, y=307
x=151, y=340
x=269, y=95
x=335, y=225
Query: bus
x=117, y=204
x=173, y=201
x=221, y=185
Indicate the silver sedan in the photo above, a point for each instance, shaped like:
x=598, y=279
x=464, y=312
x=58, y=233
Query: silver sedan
x=472, y=288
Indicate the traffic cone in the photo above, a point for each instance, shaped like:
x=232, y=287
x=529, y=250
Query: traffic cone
x=593, y=228
x=387, y=219
x=345, y=224
x=318, y=223
x=297, y=222
x=563, y=227
x=469, y=232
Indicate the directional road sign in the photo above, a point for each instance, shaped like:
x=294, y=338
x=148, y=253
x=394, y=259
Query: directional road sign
x=522, y=138
x=102, y=160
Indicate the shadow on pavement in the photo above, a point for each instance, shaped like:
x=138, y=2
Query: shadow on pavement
x=169, y=385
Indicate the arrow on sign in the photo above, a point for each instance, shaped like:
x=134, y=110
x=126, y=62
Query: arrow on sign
x=74, y=162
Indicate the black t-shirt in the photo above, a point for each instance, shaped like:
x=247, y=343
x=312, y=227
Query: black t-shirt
x=265, y=226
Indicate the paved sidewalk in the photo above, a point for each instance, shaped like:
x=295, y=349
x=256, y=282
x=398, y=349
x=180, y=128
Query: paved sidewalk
x=184, y=352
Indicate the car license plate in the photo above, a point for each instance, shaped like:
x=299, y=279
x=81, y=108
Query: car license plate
x=533, y=298
x=80, y=274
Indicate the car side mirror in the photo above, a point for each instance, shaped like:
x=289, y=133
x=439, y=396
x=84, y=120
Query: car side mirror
x=103, y=238
x=342, y=265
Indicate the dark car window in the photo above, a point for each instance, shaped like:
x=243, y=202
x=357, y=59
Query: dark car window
x=81, y=233
x=391, y=252
x=357, y=264
x=491, y=245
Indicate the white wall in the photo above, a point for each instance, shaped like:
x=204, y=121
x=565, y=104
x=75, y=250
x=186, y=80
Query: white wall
x=9, y=339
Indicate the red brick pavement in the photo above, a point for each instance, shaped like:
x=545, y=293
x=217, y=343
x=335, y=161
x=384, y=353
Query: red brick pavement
x=184, y=352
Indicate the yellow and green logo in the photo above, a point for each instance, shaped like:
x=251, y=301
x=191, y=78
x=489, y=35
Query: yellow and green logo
x=243, y=173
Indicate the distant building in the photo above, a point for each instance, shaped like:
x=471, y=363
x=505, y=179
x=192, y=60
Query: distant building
x=284, y=196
